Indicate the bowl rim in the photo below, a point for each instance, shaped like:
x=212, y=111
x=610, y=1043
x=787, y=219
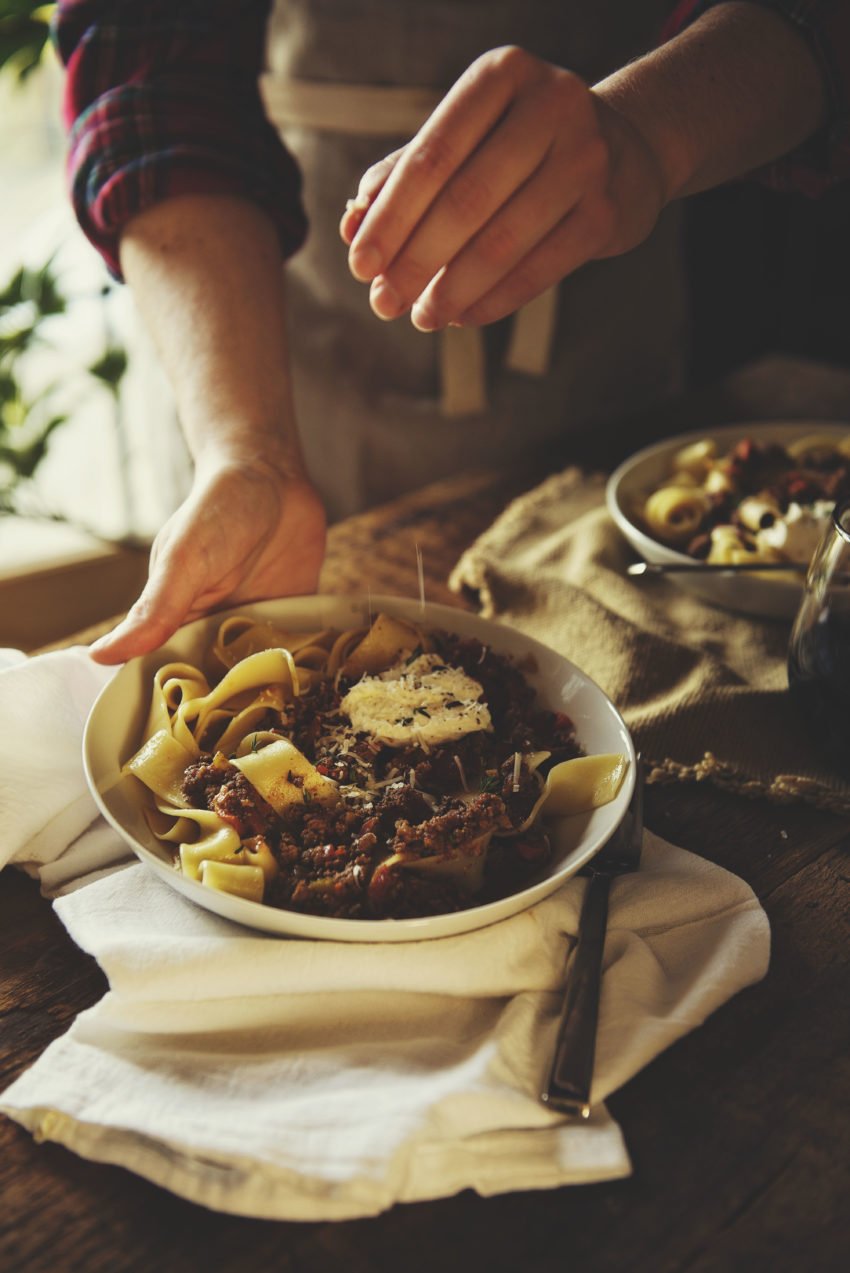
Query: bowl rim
x=285, y=923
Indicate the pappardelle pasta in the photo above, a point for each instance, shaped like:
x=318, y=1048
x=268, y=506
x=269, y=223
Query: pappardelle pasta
x=381, y=772
x=760, y=501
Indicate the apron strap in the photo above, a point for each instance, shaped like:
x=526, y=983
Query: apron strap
x=462, y=371
x=384, y=111
x=532, y=333
x=354, y=109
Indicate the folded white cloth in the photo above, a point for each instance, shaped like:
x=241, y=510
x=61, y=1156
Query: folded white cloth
x=307, y=1080
x=46, y=809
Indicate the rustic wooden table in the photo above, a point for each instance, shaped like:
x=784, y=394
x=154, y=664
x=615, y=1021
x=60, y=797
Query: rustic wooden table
x=738, y=1133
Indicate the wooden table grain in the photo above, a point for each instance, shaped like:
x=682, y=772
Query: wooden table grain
x=738, y=1133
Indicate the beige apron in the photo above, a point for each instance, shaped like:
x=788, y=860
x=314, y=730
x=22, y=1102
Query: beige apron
x=384, y=408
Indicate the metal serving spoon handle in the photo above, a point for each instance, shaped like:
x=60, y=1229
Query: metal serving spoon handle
x=715, y=567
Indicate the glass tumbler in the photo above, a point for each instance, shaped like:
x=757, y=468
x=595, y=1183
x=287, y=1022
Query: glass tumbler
x=819, y=648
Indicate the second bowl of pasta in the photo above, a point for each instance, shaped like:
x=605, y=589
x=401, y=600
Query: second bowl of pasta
x=745, y=493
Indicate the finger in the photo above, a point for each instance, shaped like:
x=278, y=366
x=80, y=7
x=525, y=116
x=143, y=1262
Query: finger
x=456, y=128
x=164, y=605
x=352, y=219
x=503, y=163
x=371, y=183
x=571, y=244
x=565, y=181
x=127, y=641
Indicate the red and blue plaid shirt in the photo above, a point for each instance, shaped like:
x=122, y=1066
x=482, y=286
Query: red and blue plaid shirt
x=162, y=99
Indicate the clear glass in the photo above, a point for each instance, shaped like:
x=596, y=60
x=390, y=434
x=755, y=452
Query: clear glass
x=819, y=649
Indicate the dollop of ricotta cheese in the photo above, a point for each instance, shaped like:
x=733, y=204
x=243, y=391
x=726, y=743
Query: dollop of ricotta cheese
x=797, y=534
x=424, y=701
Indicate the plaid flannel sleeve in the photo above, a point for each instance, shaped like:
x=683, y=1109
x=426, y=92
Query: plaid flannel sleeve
x=824, y=160
x=161, y=99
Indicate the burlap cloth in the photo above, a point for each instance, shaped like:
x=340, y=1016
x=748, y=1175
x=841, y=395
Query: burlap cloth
x=704, y=691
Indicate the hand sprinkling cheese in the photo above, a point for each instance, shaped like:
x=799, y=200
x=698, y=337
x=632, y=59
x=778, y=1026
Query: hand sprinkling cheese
x=423, y=701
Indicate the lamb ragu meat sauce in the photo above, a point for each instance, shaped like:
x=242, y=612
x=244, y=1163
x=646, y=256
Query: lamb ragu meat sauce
x=401, y=803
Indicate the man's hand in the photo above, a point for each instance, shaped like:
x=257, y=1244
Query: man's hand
x=246, y=532
x=207, y=278
x=521, y=175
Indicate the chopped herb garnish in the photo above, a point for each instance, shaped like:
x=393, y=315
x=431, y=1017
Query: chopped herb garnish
x=423, y=711
x=415, y=654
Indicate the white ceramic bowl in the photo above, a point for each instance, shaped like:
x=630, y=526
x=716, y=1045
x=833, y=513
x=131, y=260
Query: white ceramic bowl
x=116, y=720
x=768, y=596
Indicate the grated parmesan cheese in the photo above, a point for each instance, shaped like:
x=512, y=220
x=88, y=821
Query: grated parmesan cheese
x=424, y=701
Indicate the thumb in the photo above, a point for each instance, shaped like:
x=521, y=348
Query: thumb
x=371, y=184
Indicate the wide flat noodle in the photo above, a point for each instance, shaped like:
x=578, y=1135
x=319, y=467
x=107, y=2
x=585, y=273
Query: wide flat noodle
x=160, y=764
x=579, y=785
x=387, y=641
x=284, y=776
x=463, y=867
x=238, y=637
x=173, y=685
x=238, y=880
x=219, y=845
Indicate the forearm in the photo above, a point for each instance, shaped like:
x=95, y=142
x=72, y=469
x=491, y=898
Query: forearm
x=737, y=89
x=208, y=280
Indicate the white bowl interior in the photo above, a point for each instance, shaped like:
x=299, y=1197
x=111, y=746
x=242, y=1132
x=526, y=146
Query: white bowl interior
x=117, y=718
x=774, y=597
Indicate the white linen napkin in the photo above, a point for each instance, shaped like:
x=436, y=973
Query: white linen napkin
x=293, y=1079
x=305, y=1080
x=46, y=810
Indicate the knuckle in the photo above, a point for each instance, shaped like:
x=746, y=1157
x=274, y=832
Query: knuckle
x=569, y=100
x=570, y=86
x=525, y=282
x=498, y=244
x=512, y=59
x=432, y=157
x=508, y=61
x=408, y=276
x=487, y=310
x=468, y=198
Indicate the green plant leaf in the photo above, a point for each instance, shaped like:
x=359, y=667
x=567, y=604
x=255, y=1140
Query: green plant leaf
x=8, y=387
x=13, y=411
x=22, y=42
x=13, y=292
x=35, y=9
x=25, y=460
x=16, y=341
x=45, y=291
x=110, y=368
